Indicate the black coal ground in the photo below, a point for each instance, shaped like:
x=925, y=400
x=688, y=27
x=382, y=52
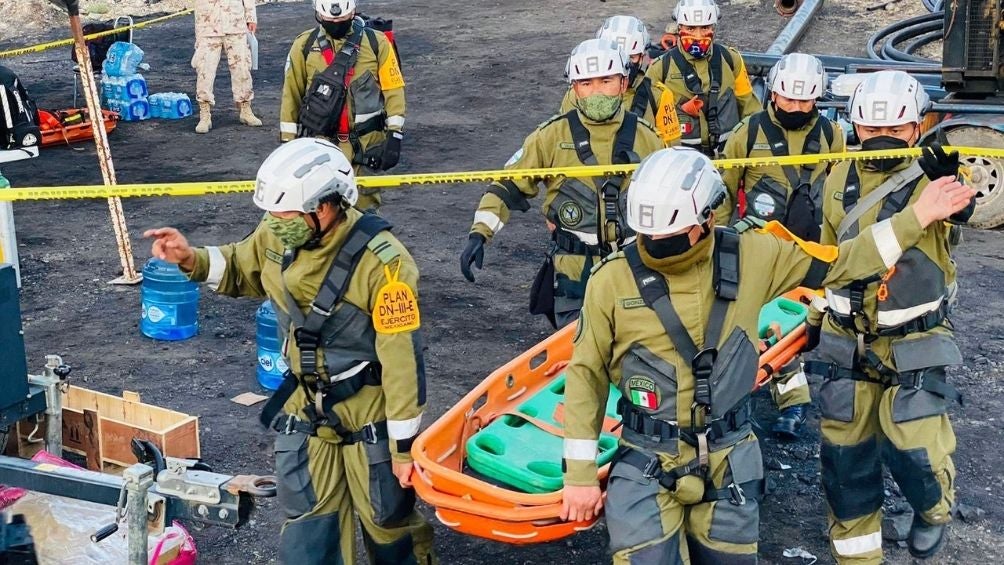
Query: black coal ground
x=481, y=75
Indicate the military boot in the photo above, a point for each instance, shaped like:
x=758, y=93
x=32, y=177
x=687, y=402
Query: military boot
x=925, y=539
x=247, y=116
x=205, y=118
x=790, y=421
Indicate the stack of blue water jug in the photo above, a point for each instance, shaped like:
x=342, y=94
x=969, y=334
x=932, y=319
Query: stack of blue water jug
x=123, y=90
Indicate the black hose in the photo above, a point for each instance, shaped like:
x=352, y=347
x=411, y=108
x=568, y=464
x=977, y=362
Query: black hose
x=918, y=42
x=890, y=51
x=901, y=31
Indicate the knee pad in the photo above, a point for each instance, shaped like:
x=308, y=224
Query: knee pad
x=852, y=478
x=914, y=474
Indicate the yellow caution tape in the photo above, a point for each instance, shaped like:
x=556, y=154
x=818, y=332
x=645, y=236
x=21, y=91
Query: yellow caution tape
x=393, y=181
x=63, y=42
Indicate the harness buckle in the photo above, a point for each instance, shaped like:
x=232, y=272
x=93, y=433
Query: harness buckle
x=319, y=310
x=290, y=426
x=306, y=340
x=736, y=495
x=369, y=432
x=653, y=469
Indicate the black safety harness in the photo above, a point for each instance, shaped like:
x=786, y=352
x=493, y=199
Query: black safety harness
x=655, y=293
x=695, y=85
x=892, y=204
x=643, y=99
x=323, y=106
x=323, y=395
x=610, y=187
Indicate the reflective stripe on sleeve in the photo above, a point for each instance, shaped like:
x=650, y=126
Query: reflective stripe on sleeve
x=580, y=449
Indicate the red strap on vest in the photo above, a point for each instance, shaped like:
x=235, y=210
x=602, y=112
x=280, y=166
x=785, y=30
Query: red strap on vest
x=343, y=122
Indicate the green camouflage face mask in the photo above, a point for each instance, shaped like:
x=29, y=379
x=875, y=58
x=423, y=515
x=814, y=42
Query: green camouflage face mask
x=293, y=232
x=600, y=107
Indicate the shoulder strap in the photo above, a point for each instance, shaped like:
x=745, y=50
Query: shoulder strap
x=624, y=142
x=893, y=183
x=726, y=277
x=580, y=136
x=339, y=273
x=690, y=77
x=655, y=293
x=642, y=97
x=727, y=55
x=752, y=132
x=310, y=41
x=827, y=126
x=374, y=42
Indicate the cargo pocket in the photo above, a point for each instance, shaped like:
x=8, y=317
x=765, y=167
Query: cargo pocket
x=836, y=396
x=366, y=97
x=739, y=523
x=293, y=486
x=690, y=128
x=574, y=207
x=632, y=508
x=390, y=502
x=922, y=359
x=728, y=114
x=767, y=199
x=648, y=382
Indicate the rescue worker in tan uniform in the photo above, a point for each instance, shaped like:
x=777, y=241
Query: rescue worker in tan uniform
x=224, y=25
x=671, y=320
x=649, y=100
x=343, y=82
x=792, y=195
x=585, y=215
x=708, y=80
x=351, y=404
x=886, y=339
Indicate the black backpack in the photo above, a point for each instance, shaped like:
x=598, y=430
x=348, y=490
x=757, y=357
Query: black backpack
x=18, y=114
x=98, y=47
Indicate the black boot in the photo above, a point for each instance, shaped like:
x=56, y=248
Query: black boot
x=790, y=422
x=925, y=539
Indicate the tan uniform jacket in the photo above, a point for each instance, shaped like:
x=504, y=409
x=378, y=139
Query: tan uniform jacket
x=214, y=18
x=615, y=322
x=252, y=267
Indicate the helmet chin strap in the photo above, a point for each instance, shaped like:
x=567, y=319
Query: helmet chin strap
x=315, y=241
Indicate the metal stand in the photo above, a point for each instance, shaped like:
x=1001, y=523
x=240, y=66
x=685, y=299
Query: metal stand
x=138, y=480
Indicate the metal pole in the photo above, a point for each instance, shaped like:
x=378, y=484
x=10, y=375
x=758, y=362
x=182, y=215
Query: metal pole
x=793, y=31
x=138, y=480
x=53, y=406
x=129, y=275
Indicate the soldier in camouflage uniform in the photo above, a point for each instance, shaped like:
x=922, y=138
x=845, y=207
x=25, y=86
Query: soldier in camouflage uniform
x=351, y=405
x=219, y=25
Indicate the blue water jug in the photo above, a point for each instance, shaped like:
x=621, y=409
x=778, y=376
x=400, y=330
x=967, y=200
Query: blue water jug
x=170, y=302
x=123, y=59
x=271, y=365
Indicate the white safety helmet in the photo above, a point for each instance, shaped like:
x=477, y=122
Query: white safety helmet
x=671, y=190
x=297, y=175
x=628, y=32
x=696, y=13
x=798, y=76
x=888, y=98
x=334, y=8
x=596, y=58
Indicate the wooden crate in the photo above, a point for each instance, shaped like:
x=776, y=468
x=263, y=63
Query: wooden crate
x=100, y=427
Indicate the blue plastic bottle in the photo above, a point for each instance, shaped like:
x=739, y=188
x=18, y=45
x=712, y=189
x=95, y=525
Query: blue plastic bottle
x=135, y=86
x=122, y=59
x=271, y=365
x=170, y=302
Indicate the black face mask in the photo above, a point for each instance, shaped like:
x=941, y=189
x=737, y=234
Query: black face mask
x=794, y=120
x=337, y=30
x=673, y=245
x=633, y=70
x=879, y=143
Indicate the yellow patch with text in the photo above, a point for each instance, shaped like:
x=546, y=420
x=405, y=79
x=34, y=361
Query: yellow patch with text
x=396, y=308
x=390, y=74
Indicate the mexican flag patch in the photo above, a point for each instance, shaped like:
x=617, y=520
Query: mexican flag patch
x=642, y=392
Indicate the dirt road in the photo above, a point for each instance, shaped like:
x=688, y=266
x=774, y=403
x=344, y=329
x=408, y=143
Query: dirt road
x=481, y=75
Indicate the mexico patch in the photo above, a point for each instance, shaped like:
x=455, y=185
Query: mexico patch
x=642, y=392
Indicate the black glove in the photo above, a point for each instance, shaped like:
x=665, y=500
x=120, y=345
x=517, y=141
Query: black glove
x=813, y=333
x=474, y=254
x=937, y=164
x=391, y=151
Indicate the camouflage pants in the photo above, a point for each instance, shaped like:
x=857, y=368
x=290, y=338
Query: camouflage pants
x=207, y=58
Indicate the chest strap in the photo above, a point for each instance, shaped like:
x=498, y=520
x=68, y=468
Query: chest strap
x=609, y=187
x=855, y=206
x=709, y=95
x=778, y=143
